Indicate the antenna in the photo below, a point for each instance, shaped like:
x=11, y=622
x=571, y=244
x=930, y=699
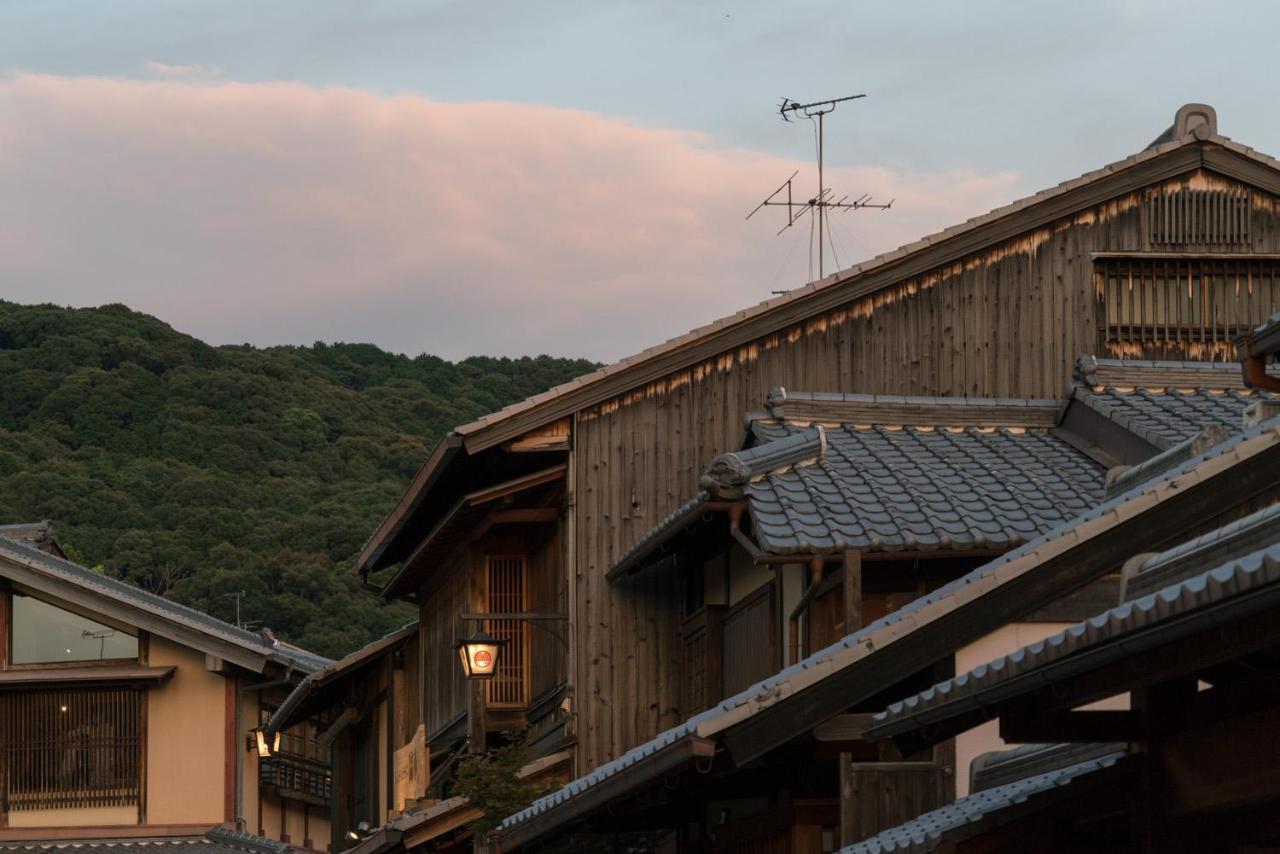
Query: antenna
x=825, y=199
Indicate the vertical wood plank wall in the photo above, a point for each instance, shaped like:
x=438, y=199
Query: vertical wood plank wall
x=1007, y=321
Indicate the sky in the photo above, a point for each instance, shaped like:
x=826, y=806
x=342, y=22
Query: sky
x=572, y=178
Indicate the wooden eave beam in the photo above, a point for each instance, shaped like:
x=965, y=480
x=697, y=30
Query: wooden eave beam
x=648, y=770
x=1032, y=726
x=93, y=674
x=941, y=251
x=390, y=527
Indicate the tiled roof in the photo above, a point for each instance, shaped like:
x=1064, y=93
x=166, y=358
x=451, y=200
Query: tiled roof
x=881, y=634
x=1165, y=417
x=920, y=489
x=1164, y=402
x=216, y=841
x=1199, y=588
x=927, y=832
x=29, y=555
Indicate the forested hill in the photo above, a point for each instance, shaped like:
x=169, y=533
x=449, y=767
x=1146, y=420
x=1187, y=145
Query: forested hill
x=198, y=471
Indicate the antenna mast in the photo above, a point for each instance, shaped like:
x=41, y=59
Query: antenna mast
x=824, y=200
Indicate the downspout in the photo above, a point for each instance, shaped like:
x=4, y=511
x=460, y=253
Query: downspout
x=241, y=690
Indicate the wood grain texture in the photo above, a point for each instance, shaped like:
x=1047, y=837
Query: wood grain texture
x=1004, y=319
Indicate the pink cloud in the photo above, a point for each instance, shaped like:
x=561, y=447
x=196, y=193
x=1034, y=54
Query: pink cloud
x=279, y=212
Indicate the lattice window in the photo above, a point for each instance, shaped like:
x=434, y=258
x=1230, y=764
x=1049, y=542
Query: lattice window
x=76, y=747
x=1201, y=217
x=507, y=595
x=1183, y=308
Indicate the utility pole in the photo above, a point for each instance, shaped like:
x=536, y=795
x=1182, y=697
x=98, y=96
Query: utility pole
x=824, y=200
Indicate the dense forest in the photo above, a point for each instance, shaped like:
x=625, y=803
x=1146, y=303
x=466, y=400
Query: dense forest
x=199, y=472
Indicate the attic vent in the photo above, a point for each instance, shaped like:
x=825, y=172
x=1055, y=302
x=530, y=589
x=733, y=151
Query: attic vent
x=1201, y=217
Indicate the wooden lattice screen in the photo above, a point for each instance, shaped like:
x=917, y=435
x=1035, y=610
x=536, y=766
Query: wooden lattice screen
x=507, y=595
x=1201, y=217
x=69, y=748
x=1183, y=308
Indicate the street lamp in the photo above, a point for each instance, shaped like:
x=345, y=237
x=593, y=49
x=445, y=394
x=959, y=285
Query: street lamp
x=479, y=654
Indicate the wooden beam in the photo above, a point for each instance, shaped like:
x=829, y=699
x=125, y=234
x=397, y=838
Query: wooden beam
x=525, y=515
x=1033, y=726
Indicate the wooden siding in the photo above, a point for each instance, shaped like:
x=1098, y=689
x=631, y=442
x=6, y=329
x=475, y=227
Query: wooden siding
x=1004, y=321
x=443, y=686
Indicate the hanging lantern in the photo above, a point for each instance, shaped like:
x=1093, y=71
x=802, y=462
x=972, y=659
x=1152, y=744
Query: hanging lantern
x=479, y=654
x=264, y=749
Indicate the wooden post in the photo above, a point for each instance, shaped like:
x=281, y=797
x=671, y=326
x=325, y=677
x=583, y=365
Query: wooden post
x=852, y=622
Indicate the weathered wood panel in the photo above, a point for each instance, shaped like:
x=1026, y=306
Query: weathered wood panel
x=443, y=688
x=1005, y=321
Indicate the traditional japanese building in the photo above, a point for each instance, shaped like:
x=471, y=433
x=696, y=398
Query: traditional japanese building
x=126, y=716
x=666, y=541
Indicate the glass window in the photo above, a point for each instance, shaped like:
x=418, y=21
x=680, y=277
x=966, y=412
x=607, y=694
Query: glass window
x=44, y=634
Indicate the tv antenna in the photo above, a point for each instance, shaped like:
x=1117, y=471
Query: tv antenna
x=826, y=199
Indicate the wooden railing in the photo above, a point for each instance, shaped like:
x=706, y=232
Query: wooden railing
x=750, y=640
x=70, y=748
x=304, y=779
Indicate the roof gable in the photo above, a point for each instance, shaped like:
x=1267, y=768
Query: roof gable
x=1197, y=149
x=28, y=565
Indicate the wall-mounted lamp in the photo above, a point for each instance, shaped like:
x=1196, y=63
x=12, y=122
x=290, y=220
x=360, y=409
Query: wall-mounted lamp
x=479, y=654
x=258, y=741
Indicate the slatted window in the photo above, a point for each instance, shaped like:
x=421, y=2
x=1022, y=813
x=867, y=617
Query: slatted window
x=1201, y=218
x=76, y=747
x=507, y=595
x=1184, y=308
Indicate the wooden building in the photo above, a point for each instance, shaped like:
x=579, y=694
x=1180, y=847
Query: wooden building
x=1190, y=763
x=125, y=716
x=546, y=508
x=796, y=738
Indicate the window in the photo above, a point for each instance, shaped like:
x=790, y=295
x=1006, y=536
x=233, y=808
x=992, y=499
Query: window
x=1183, y=307
x=45, y=634
x=510, y=685
x=75, y=747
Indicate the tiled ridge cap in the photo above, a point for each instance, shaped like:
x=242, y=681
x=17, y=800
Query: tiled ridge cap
x=1123, y=478
x=728, y=475
x=1220, y=545
x=910, y=410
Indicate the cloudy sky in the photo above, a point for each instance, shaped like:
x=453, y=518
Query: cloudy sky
x=546, y=176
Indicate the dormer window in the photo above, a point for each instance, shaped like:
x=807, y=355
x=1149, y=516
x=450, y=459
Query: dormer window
x=46, y=634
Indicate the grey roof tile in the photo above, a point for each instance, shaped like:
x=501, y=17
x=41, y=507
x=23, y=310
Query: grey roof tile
x=877, y=488
x=927, y=832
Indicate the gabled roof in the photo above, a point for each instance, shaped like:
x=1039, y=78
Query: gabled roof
x=1196, y=147
x=27, y=564
x=855, y=667
x=1199, y=147
x=297, y=700
x=982, y=810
